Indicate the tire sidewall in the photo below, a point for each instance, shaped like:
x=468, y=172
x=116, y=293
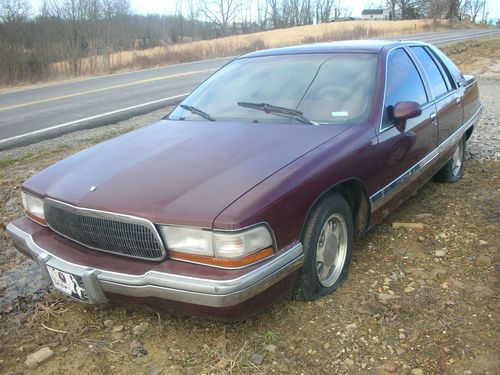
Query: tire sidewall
x=445, y=174
x=461, y=170
x=310, y=287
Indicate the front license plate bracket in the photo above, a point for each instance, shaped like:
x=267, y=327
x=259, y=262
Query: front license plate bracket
x=68, y=283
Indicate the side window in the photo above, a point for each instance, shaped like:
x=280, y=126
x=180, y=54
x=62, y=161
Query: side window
x=455, y=74
x=450, y=81
x=403, y=84
x=436, y=79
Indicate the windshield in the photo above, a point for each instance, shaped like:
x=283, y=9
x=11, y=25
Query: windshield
x=326, y=88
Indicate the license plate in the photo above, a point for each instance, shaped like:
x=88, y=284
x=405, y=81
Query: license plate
x=68, y=283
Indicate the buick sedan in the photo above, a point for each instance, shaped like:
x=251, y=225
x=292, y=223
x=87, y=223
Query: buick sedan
x=257, y=184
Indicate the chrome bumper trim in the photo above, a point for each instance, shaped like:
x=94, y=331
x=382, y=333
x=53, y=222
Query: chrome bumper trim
x=198, y=291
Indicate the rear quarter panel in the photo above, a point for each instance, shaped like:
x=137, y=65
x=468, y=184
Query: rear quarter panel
x=471, y=99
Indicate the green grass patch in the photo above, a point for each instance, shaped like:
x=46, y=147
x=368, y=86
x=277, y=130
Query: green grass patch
x=9, y=161
x=271, y=336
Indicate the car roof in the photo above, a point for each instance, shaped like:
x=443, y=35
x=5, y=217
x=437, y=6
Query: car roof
x=366, y=46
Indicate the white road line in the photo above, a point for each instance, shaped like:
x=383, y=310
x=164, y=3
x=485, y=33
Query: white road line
x=90, y=118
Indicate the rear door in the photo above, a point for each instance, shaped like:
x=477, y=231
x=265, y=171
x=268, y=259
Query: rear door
x=447, y=97
x=467, y=85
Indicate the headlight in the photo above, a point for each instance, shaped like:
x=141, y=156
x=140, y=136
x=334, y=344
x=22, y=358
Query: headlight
x=236, y=245
x=34, y=208
x=189, y=240
x=221, y=249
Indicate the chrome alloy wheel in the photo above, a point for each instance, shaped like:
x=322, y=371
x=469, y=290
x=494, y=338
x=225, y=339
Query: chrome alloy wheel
x=331, y=250
x=457, y=159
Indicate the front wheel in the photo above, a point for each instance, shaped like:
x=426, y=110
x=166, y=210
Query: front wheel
x=453, y=170
x=328, y=242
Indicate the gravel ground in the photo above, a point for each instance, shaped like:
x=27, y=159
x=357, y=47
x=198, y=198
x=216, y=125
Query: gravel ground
x=413, y=304
x=484, y=144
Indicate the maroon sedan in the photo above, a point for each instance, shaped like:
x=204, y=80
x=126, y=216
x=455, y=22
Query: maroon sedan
x=256, y=183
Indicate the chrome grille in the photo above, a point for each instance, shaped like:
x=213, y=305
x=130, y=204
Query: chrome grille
x=105, y=231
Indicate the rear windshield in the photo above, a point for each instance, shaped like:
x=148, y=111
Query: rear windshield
x=328, y=89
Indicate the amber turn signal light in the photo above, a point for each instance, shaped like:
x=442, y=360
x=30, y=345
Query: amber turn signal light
x=221, y=262
x=36, y=219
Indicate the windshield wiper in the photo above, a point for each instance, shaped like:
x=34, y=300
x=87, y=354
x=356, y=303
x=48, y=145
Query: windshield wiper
x=276, y=110
x=197, y=111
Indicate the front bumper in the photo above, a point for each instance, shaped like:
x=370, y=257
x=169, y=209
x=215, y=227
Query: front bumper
x=169, y=286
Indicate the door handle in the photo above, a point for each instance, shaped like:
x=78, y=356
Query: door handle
x=458, y=101
x=433, y=117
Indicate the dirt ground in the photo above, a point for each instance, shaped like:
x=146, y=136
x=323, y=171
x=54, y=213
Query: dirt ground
x=414, y=303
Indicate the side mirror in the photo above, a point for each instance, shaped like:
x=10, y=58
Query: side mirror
x=406, y=110
x=403, y=111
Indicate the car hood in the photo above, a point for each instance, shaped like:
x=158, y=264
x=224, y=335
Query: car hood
x=176, y=172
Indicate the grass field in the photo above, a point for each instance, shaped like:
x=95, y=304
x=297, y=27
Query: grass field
x=238, y=44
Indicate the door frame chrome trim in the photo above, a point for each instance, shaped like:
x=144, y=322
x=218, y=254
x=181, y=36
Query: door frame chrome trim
x=404, y=47
x=423, y=76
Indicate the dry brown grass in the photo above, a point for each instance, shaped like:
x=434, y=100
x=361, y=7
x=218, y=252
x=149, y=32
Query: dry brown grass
x=238, y=44
x=479, y=57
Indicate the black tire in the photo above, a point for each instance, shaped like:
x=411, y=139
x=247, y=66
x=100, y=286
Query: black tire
x=332, y=209
x=451, y=172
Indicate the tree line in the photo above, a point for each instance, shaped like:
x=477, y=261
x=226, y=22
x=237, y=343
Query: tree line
x=35, y=45
x=452, y=10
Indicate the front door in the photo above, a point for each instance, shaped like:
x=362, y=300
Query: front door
x=404, y=152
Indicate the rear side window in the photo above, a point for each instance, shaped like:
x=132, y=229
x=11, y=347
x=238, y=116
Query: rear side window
x=455, y=74
x=436, y=79
x=403, y=84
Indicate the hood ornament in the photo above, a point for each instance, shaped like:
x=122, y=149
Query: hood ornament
x=93, y=188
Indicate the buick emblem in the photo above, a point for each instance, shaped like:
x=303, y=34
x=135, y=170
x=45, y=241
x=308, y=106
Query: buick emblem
x=92, y=188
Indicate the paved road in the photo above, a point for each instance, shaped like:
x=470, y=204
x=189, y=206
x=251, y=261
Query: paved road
x=31, y=114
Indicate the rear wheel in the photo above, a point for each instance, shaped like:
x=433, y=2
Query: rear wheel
x=327, y=241
x=453, y=170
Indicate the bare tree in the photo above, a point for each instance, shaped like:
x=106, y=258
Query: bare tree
x=246, y=17
x=475, y=7
x=391, y=5
x=306, y=12
x=114, y=28
x=220, y=12
x=410, y=9
x=193, y=12
x=339, y=10
x=324, y=10
x=435, y=9
x=13, y=61
x=14, y=11
x=453, y=10
x=274, y=11
x=262, y=11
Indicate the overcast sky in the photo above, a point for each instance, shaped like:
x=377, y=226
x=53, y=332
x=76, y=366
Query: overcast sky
x=168, y=6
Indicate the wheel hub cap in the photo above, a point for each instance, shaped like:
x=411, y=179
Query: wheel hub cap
x=333, y=244
x=331, y=250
